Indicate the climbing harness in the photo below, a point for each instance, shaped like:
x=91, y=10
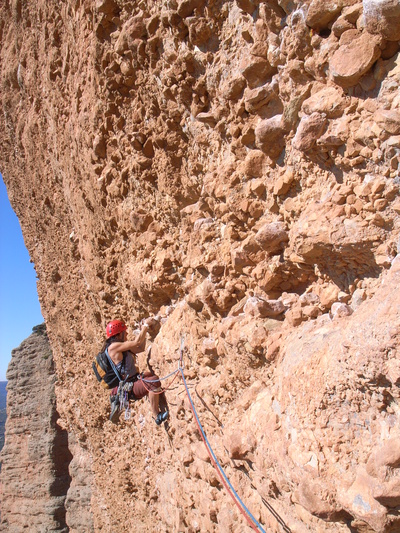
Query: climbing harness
x=175, y=373
x=144, y=381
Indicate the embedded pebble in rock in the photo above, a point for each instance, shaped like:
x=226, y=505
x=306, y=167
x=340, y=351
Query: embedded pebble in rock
x=309, y=130
x=354, y=59
x=382, y=17
x=339, y=310
x=231, y=168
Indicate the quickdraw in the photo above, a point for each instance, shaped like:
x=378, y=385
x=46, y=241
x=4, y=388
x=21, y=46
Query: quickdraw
x=124, y=389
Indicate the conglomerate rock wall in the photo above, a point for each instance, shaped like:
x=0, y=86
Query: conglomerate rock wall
x=41, y=487
x=231, y=167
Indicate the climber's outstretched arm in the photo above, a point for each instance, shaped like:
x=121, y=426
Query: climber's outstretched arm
x=116, y=349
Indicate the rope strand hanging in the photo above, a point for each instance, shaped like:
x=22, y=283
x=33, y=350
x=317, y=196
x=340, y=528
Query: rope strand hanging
x=251, y=520
x=144, y=381
x=253, y=523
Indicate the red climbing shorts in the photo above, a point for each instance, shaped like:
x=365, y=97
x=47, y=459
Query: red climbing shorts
x=141, y=389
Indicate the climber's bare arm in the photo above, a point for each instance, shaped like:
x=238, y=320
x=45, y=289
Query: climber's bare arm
x=116, y=349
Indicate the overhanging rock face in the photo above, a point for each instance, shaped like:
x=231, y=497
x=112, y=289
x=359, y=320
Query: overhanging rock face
x=231, y=167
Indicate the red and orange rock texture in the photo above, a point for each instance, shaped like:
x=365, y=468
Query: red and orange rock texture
x=231, y=167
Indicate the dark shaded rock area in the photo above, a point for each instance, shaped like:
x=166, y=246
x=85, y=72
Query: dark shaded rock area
x=3, y=413
x=45, y=475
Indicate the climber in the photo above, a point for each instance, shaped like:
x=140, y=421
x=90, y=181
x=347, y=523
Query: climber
x=122, y=352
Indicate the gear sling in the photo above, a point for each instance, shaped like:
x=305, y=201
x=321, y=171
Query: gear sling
x=107, y=373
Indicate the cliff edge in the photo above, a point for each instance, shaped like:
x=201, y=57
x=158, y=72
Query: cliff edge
x=232, y=168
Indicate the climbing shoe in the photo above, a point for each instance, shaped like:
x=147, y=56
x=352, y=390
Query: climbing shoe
x=114, y=415
x=161, y=417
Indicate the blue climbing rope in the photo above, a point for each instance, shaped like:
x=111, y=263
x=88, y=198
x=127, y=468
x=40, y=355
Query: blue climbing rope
x=160, y=379
x=239, y=502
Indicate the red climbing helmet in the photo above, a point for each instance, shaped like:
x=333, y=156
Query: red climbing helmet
x=114, y=327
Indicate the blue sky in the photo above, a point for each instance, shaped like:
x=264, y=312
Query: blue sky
x=19, y=304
